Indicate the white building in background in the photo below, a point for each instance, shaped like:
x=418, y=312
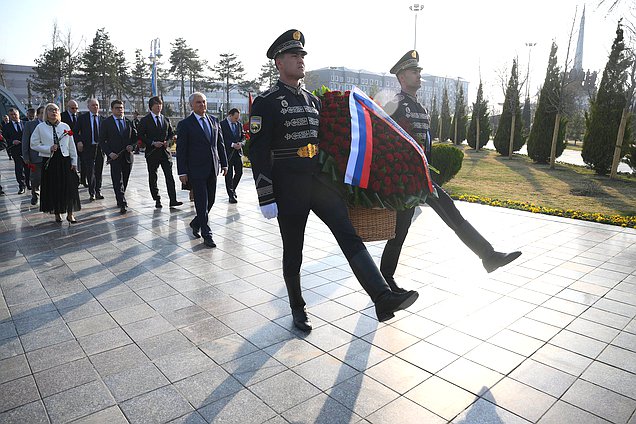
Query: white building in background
x=384, y=85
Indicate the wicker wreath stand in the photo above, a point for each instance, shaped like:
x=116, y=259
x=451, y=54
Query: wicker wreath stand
x=373, y=224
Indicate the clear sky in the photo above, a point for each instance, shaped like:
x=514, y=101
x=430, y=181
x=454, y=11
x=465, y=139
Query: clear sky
x=455, y=38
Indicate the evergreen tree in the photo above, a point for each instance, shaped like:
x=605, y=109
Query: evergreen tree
x=180, y=62
x=510, y=109
x=49, y=69
x=526, y=116
x=480, y=112
x=540, y=138
x=606, y=110
x=434, y=119
x=230, y=71
x=460, y=119
x=268, y=76
x=101, y=69
x=198, y=81
x=140, y=81
x=445, y=118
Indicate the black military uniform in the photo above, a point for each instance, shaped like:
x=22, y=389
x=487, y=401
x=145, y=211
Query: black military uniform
x=406, y=107
x=284, y=126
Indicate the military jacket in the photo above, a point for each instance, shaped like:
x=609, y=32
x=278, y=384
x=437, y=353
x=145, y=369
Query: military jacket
x=405, y=106
x=283, y=141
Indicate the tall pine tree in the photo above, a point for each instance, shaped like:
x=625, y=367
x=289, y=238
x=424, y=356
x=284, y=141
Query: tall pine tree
x=540, y=138
x=606, y=110
x=434, y=119
x=230, y=71
x=445, y=118
x=101, y=67
x=180, y=61
x=140, y=86
x=511, y=112
x=460, y=119
x=480, y=113
x=49, y=68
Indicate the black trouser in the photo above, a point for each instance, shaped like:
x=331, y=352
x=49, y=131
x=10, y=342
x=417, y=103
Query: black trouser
x=82, y=170
x=119, y=173
x=443, y=206
x=331, y=209
x=36, y=177
x=22, y=172
x=166, y=166
x=93, y=165
x=234, y=172
x=204, y=194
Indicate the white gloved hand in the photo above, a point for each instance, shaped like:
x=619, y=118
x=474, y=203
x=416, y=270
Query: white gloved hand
x=270, y=211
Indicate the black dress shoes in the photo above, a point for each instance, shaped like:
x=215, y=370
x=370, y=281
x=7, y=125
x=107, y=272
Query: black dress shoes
x=21, y=190
x=99, y=196
x=195, y=230
x=158, y=204
x=123, y=210
x=92, y=198
x=34, y=199
x=175, y=204
x=301, y=320
x=209, y=242
x=233, y=200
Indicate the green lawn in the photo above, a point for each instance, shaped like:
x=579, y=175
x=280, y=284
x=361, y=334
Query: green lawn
x=487, y=174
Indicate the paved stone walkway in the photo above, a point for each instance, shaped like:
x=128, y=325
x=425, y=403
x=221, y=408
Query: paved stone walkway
x=129, y=319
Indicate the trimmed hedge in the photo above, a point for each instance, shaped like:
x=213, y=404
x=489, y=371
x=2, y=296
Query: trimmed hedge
x=447, y=159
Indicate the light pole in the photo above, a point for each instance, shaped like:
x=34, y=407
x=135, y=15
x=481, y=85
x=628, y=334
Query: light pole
x=415, y=8
x=62, y=89
x=155, y=53
x=529, y=46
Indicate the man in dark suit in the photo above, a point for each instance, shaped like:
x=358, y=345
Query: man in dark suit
x=31, y=158
x=200, y=151
x=234, y=142
x=12, y=133
x=155, y=131
x=70, y=117
x=117, y=137
x=92, y=157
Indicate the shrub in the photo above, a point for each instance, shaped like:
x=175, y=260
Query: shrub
x=447, y=159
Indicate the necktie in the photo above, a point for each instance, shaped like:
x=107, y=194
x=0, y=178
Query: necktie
x=158, y=121
x=17, y=126
x=95, y=130
x=120, y=126
x=206, y=129
x=234, y=128
x=73, y=119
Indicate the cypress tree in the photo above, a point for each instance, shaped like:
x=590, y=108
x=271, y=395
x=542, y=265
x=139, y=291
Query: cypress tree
x=510, y=108
x=445, y=118
x=601, y=124
x=459, y=118
x=526, y=115
x=480, y=112
x=540, y=139
x=434, y=119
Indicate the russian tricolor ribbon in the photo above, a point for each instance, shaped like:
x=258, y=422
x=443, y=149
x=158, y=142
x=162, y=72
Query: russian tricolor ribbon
x=359, y=163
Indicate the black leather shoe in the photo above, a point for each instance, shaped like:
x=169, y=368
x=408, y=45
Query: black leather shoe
x=390, y=302
x=99, y=196
x=34, y=199
x=92, y=198
x=123, y=210
x=2, y=193
x=158, y=204
x=498, y=259
x=233, y=200
x=21, y=190
x=209, y=242
x=195, y=230
x=175, y=204
x=301, y=320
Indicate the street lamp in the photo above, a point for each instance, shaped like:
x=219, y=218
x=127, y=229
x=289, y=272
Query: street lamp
x=62, y=89
x=415, y=8
x=155, y=53
x=529, y=46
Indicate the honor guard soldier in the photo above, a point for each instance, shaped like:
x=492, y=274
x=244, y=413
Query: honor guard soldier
x=405, y=107
x=284, y=126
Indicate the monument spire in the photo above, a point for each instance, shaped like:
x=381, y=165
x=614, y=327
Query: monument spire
x=578, y=57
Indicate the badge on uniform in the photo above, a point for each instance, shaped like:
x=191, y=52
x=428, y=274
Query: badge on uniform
x=284, y=103
x=255, y=124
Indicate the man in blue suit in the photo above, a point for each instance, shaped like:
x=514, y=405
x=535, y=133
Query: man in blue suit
x=234, y=142
x=117, y=137
x=200, y=153
x=12, y=133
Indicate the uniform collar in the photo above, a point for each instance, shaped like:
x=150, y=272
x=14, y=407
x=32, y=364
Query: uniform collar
x=405, y=94
x=295, y=90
